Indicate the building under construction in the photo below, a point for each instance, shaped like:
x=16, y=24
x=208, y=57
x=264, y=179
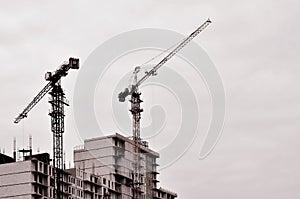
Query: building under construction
x=114, y=167
x=103, y=169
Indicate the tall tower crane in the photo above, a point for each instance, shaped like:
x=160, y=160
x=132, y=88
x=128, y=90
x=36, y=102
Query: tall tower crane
x=136, y=101
x=57, y=101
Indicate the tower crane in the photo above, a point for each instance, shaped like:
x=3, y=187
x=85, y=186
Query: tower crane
x=136, y=101
x=57, y=101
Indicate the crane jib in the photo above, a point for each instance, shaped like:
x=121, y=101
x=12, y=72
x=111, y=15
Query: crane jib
x=128, y=91
x=52, y=78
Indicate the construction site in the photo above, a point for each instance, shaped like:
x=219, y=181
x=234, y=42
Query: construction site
x=107, y=175
x=107, y=167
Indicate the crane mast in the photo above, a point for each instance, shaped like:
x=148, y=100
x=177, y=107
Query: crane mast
x=136, y=101
x=57, y=102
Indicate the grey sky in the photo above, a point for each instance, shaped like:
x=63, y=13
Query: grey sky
x=254, y=45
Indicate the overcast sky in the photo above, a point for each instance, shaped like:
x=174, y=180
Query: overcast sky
x=254, y=45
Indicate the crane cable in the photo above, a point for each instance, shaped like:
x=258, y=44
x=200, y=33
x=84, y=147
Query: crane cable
x=164, y=51
x=142, y=66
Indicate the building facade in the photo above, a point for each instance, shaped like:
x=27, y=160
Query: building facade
x=113, y=158
x=27, y=179
x=103, y=169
